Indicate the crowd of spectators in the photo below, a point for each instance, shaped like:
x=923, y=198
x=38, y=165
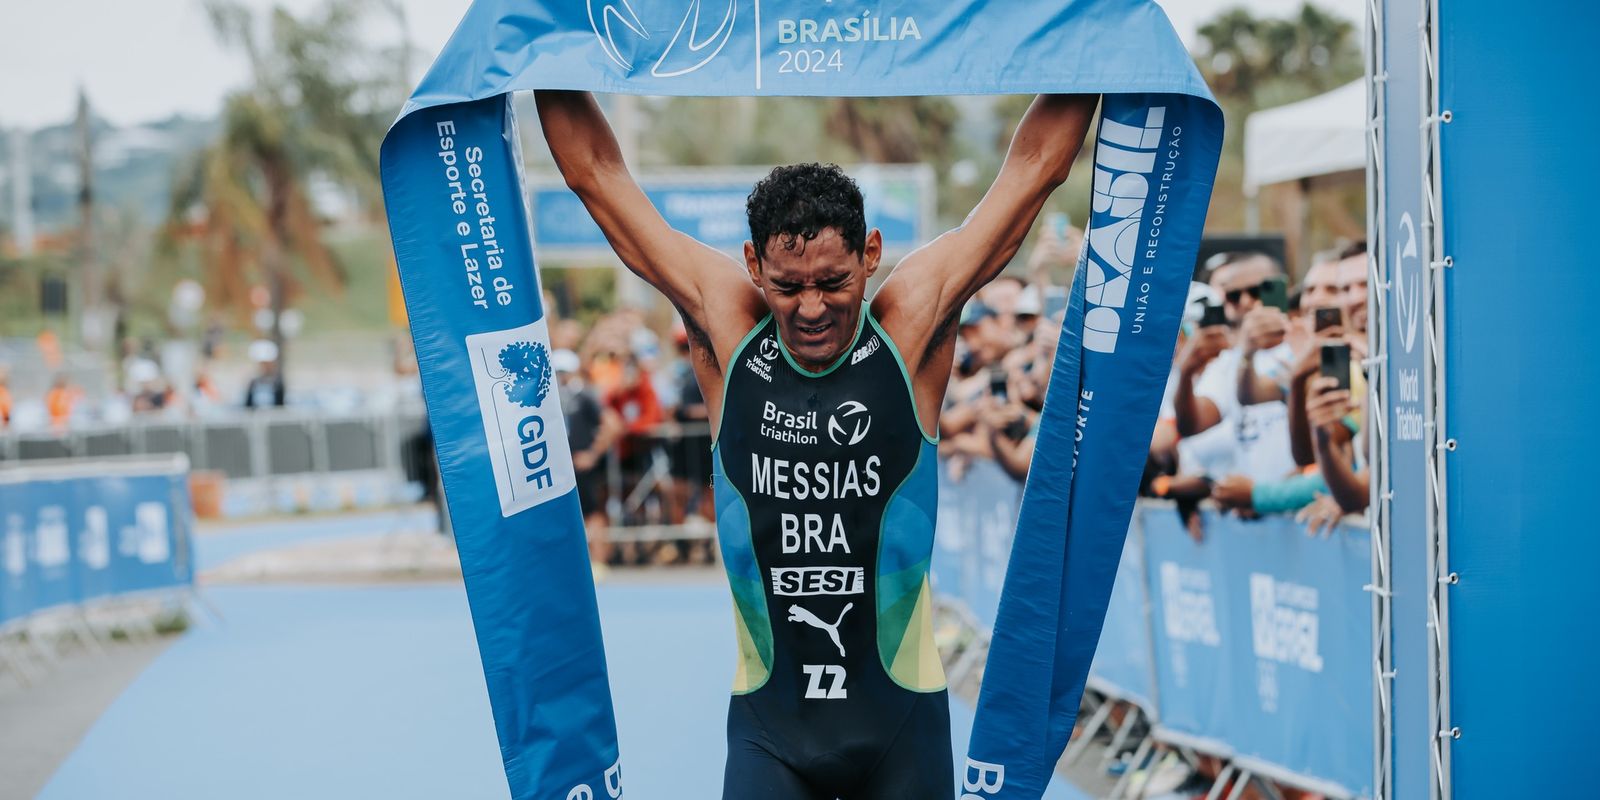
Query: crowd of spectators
x=1262, y=411
x=1264, y=404
x=640, y=437
x=170, y=381
x=1266, y=401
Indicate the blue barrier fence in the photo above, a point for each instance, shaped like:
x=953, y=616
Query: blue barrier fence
x=1254, y=644
x=75, y=534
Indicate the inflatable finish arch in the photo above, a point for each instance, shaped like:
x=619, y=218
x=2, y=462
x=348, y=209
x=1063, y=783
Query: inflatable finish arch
x=459, y=218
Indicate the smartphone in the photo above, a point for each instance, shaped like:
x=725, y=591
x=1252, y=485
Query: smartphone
x=1336, y=363
x=1275, y=293
x=1328, y=318
x=1016, y=429
x=1213, y=315
x=997, y=384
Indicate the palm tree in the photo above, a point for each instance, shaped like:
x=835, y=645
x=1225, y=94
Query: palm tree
x=309, y=113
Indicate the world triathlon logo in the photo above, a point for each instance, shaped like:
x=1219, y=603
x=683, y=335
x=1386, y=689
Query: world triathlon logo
x=692, y=39
x=527, y=373
x=1406, y=291
x=769, y=349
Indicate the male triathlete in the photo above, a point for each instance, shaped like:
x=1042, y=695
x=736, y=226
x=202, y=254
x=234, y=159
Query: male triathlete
x=823, y=407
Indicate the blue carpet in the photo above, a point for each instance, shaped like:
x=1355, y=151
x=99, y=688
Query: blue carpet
x=377, y=692
x=220, y=545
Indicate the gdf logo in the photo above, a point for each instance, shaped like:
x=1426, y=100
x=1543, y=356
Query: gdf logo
x=526, y=376
x=627, y=39
x=522, y=422
x=854, y=415
x=769, y=349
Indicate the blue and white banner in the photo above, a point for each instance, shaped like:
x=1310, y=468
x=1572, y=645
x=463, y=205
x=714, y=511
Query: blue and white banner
x=1263, y=645
x=1154, y=162
x=707, y=204
x=68, y=538
x=451, y=174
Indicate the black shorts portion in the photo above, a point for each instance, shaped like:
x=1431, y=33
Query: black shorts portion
x=591, y=490
x=914, y=763
x=690, y=458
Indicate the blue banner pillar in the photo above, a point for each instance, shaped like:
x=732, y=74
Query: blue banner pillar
x=1519, y=387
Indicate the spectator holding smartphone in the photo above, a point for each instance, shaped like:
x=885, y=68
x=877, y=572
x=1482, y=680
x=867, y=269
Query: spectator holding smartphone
x=1210, y=366
x=1226, y=431
x=1010, y=414
x=1334, y=428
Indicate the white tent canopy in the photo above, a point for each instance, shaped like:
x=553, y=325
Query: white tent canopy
x=1317, y=136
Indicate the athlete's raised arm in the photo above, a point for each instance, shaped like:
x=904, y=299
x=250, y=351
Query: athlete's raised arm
x=692, y=275
x=921, y=299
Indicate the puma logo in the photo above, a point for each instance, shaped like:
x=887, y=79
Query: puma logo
x=798, y=614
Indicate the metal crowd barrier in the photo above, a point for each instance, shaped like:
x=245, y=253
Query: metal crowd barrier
x=1253, y=645
x=260, y=444
x=658, y=485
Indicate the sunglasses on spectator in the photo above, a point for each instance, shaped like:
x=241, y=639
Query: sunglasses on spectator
x=1234, y=295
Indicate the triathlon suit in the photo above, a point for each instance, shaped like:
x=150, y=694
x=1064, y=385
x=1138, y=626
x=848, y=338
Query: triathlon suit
x=826, y=491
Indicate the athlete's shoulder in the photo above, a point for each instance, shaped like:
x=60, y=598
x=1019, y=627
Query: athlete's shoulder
x=906, y=318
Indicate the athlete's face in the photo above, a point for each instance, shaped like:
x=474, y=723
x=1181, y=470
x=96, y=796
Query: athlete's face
x=815, y=291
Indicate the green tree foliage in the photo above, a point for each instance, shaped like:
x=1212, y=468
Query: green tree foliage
x=315, y=111
x=1252, y=63
x=1261, y=62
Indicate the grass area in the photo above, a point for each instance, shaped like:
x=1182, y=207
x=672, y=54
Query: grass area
x=368, y=260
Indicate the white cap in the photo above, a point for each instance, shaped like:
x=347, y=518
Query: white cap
x=263, y=351
x=143, y=371
x=565, y=361
x=1029, y=303
x=1200, y=296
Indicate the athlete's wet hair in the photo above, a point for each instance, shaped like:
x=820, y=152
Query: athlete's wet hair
x=796, y=203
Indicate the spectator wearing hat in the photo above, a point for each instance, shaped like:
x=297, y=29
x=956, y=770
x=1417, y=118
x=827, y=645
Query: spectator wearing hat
x=1225, y=428
x=1029, y=309
x=981, y=344
x=984, y=334
x=265, y=390
x=151, y=392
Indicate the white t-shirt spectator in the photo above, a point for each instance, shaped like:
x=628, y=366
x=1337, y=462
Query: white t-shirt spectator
x=1219, y=383
x=1250, y=440
x=1253, y=442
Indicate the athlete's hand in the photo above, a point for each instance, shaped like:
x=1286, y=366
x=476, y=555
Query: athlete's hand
x=585, y=460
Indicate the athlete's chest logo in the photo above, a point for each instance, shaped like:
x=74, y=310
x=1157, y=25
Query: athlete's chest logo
x=849, y=423
x=799, y=614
